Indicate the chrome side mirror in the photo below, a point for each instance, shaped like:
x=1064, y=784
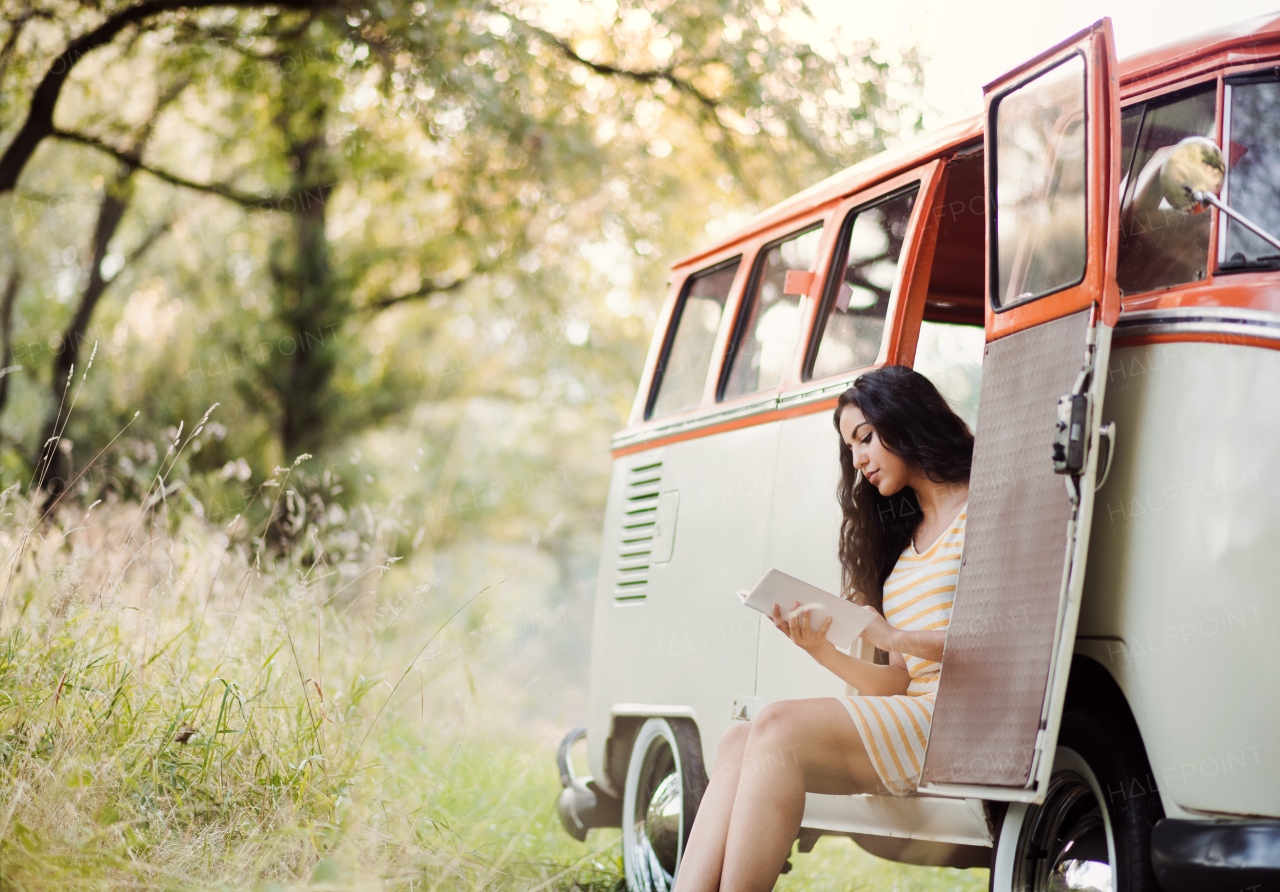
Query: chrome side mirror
x=1191, y=178
x=1193, y=168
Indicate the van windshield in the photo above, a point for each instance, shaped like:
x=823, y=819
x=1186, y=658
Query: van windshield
x=1253, y=177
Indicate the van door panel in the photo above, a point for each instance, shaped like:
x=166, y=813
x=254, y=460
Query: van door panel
x=1052, y=157
x=996, y=665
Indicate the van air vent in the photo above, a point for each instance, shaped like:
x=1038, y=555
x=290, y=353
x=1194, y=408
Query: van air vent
x=639, y=525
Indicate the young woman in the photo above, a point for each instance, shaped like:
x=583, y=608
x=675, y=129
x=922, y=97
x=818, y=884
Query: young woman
x=904, y=484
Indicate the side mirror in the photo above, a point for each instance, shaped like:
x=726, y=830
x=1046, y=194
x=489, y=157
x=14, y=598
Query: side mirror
x=1194, y=168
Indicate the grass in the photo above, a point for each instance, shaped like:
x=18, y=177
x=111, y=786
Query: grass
x=183, y=708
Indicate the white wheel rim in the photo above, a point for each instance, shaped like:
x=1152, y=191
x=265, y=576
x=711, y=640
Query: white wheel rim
x=1028, y=862
x=653, y=810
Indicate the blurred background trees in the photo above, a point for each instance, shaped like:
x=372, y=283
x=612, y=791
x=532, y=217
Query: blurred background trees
x=423, y=243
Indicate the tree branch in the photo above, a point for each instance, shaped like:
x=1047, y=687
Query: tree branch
x=645, y=76
x=707, y=105
x=426, y=289
x=11, y=286
x=39, y=122
x=153, y=234
x=130, y=158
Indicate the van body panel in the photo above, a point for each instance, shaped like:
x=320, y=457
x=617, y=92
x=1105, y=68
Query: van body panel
x=1185, y=528
x=688, y=624
x=804, y=521
x=1258, y=291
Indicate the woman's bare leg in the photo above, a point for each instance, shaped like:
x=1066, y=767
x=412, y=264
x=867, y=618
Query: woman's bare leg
x=794, y=746
x=704, y=853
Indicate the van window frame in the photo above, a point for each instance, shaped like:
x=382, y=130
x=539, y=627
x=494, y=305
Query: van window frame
x=1267, y=73
x=835, y=273
x=673, y=323
x=993, y=179
x=746, y=303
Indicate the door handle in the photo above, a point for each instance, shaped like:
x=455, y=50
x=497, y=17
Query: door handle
x=1106, y=432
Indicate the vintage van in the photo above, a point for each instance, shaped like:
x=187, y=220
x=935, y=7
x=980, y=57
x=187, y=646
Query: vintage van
x=1109, y=711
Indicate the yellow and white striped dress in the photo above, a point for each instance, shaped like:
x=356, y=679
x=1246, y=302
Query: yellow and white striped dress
x=917, y=596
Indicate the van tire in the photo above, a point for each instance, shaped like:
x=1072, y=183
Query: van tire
x=1101, y=786
x=665, y=783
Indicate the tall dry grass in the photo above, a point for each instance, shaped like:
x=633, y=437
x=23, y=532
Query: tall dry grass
x=183, y=705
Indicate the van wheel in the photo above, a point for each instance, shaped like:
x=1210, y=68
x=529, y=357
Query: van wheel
x=665, y=782
x=1093, y=830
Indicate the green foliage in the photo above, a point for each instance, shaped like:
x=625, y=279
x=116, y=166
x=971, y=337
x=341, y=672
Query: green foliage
x=389, y=190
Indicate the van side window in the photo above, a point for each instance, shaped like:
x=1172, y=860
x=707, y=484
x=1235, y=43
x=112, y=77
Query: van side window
x=1161, y=247
x=861, y=284
x=765, y=338
x=1253, y=181
x=682, y=371
x=1039, y=226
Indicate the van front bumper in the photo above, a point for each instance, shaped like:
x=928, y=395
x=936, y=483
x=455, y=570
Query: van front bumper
x=582, y=804
x=1216, y=856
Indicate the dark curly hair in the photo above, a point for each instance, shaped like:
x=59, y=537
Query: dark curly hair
x=915, y=423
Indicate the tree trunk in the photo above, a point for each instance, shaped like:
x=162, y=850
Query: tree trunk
x=309, y=303
x=51, y=461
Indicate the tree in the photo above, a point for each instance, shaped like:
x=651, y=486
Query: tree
x=501, y=151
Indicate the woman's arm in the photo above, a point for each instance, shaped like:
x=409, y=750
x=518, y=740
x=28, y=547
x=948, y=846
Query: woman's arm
x=868, y=678
x=924, y=644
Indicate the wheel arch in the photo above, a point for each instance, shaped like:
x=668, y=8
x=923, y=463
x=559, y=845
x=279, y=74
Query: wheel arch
x=625, y=720
x=1094, y=692
x=1092, y=689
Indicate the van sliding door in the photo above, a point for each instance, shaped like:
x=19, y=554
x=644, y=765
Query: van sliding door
x=1052, y=155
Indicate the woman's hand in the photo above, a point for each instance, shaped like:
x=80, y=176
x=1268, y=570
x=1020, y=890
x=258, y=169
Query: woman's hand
x=880, y=632
x=796, y=626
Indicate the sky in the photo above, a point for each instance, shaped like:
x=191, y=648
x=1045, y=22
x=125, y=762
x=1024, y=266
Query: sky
x=969, y=44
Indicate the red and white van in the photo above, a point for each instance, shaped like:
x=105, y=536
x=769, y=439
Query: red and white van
x=1109, y=715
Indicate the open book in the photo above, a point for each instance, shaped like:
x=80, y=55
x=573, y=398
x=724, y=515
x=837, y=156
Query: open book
x=776, y=587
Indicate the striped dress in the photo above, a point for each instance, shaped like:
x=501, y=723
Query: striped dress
x=917, y=595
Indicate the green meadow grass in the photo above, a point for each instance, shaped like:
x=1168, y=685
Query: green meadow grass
x=182, y=709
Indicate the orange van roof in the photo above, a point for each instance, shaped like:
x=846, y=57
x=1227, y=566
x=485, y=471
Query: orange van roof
x=866, y=172
x=1253, y=40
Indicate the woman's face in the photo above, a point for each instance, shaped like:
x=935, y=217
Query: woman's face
x=883, y=470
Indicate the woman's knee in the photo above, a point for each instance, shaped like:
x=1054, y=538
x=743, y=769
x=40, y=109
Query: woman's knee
x=733, y=741
x=774, y=719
